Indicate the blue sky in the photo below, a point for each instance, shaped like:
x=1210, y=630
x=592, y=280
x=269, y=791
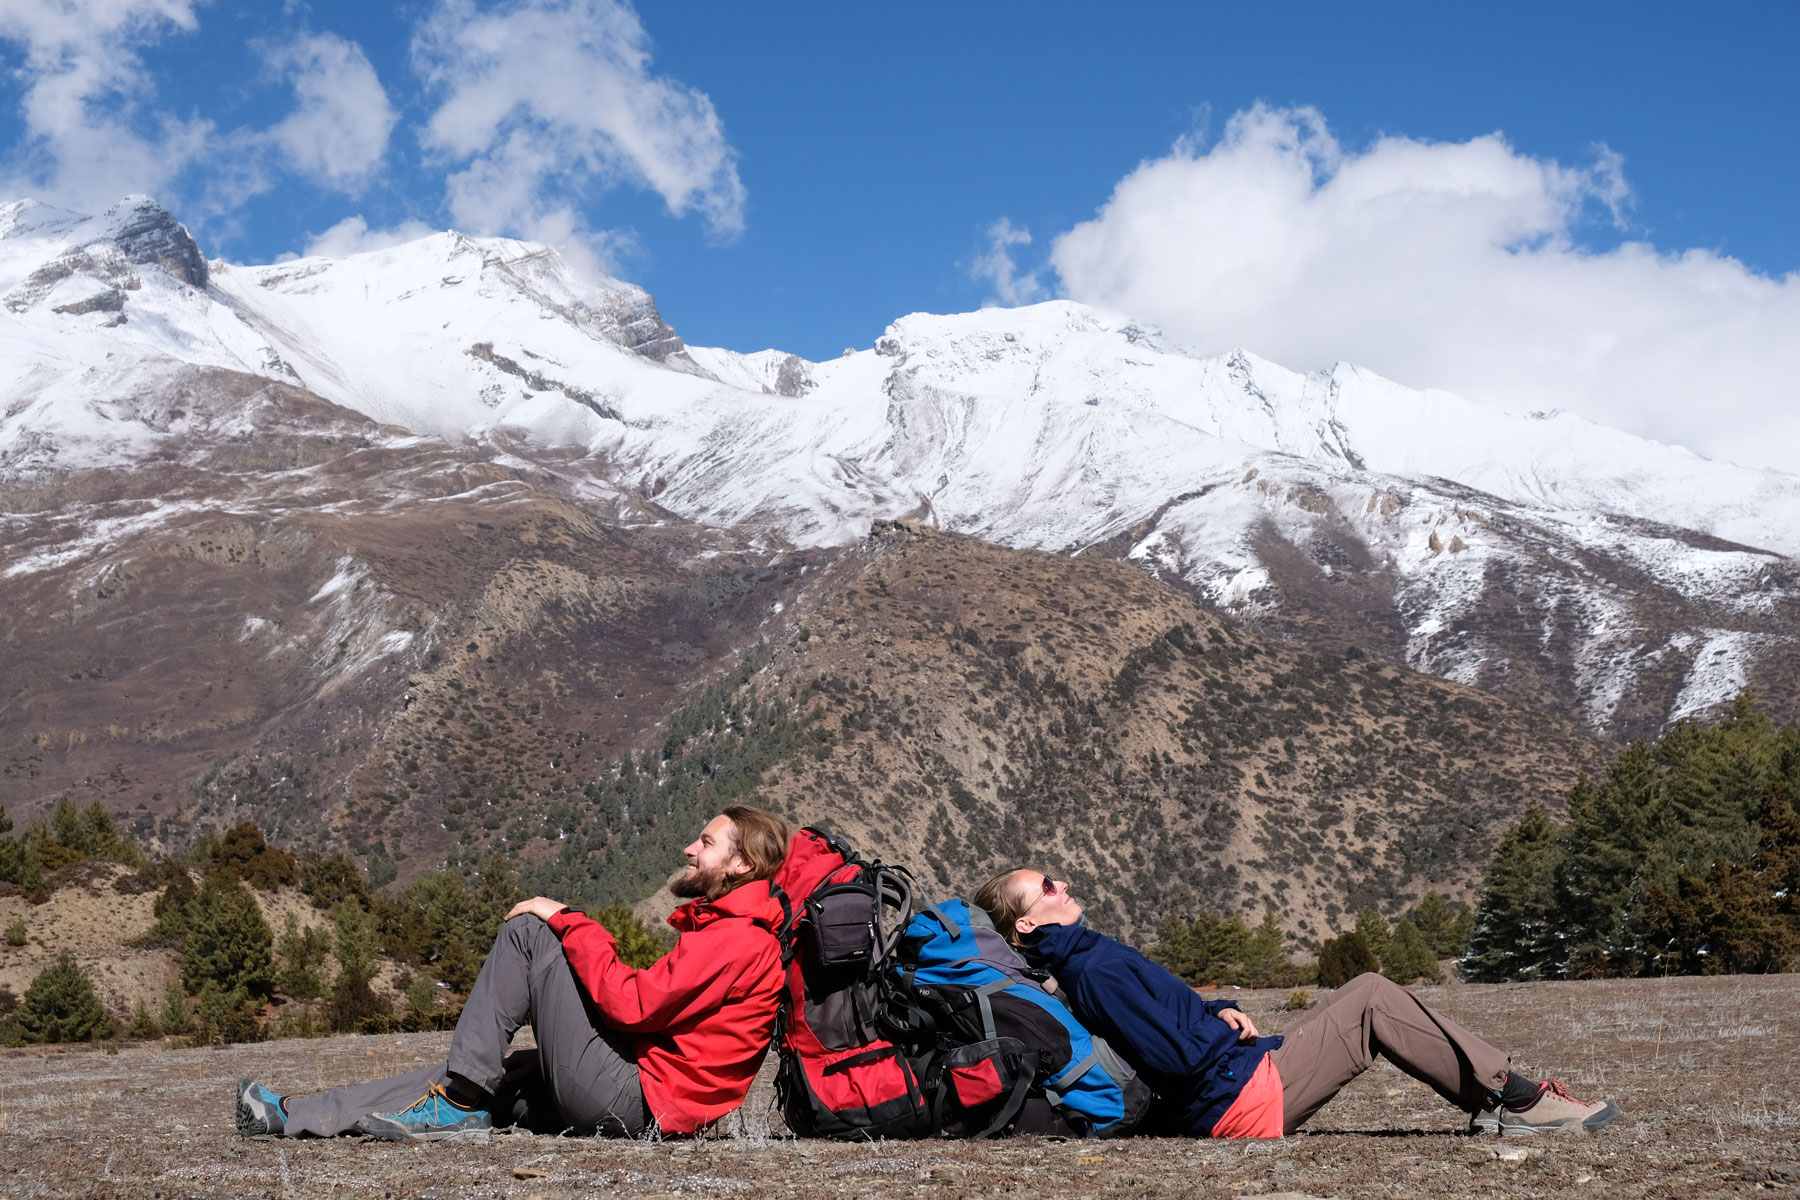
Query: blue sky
x=799, y=175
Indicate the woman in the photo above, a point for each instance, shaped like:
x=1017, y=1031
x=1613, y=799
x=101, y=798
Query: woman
x=1218, y=1078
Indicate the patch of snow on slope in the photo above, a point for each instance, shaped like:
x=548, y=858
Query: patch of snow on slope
x=1720, y=670
x=80, y=536
x=354, y=630
x=349, y=574
x=1608, y=646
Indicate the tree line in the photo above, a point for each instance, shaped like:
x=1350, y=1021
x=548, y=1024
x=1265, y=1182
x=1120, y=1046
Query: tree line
x=1683, y=860
x=239, y=980
x=1211, y=950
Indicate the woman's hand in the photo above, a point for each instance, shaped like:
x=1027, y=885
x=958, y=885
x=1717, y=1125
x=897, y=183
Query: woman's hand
x=537, y=906
x=1237, y=1020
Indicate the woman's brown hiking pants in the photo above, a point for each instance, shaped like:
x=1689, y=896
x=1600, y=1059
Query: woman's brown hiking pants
x=1370, y=1015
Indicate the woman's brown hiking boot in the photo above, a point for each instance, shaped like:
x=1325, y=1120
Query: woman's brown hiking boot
x=1555, y=1111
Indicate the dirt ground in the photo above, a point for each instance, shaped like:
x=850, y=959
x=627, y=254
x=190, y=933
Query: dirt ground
x=1704, y=1069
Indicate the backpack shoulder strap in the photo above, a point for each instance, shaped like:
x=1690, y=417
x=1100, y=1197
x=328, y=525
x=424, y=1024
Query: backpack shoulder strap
x=1101, y=1055
x=951, y=925
x=987, y=1007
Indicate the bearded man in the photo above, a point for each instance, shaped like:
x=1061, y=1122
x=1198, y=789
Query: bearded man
x=670, y=1048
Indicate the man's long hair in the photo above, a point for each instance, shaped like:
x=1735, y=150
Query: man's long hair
x=762, y=841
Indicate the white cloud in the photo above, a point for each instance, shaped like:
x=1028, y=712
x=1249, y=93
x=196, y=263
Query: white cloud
x=338, y=131
x=548, y=102
x=93, y=129
x=90, y=134
x=352, y=235
x=995, y=266
x=1451, y=265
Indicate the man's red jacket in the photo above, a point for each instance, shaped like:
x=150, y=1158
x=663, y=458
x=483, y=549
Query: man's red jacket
x=702, y=1016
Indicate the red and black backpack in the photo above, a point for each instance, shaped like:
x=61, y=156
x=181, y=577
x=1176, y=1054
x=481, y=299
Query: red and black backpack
x=854, y=1051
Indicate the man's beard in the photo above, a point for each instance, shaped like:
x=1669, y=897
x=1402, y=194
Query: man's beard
x=701, y=885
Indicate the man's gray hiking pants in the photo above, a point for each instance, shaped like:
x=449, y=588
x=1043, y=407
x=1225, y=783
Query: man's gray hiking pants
x=582, y=1077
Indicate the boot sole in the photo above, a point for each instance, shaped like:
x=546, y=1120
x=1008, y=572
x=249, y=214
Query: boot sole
x=249, y=1122
x=394, y=1134
x=1594, y=1124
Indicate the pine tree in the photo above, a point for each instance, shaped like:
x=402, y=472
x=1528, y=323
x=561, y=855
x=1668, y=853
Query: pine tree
x=225, y=1017
x=174, y=908
x=1464, y=929
x=1714, y=778
x=1514, y=926
x=352, y=999
x=143, y=1025
x=19, y=861
x=99, y=837
x=1173, y=947
x=1220, y=945
x=177, y=1014
x=496, y=891
x=61, y=1006
x=12, y=851
x=1374, y=930
x=73, y=834
x=1265, y=953
x=1441, y=924
x=301, y=975
x=228, y=943
x=1610, y=831
x=638, y=947
x=438, y=925
x=329, y=882
x=1739, y=917
x=247, y=855
x=1410, y=956
x=1343, y=958
x=1777, y=858
x=421, y=996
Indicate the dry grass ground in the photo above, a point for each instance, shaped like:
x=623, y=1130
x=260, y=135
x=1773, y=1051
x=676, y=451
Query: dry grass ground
x=1703, y=1068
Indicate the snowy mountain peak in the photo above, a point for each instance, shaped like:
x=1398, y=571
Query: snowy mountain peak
x=1054, y=426
x=148, y=234
x=22, y=218
x=86, y=264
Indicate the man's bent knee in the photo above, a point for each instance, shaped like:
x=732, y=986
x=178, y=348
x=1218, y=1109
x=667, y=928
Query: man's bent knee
x=529, y=932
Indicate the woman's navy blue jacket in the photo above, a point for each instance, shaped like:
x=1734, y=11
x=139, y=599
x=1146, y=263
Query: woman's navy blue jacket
x=1177, y=1041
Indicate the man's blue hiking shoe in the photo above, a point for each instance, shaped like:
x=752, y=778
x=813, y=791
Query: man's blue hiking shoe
x=259, y=1111
x=433, y=1117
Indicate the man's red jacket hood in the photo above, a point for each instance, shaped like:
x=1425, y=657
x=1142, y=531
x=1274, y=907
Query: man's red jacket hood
x=702, y=1016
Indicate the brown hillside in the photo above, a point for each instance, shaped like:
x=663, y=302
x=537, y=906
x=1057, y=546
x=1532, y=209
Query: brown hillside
x=957, y=708
x=995, y=707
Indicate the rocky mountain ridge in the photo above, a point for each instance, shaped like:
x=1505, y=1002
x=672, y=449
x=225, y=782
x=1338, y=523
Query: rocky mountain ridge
x=1616, y=581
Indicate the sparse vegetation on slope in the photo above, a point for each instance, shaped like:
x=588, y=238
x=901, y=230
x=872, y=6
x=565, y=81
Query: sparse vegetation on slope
x=961, y=708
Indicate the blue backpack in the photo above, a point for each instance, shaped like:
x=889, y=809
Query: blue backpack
x=1011, y=1057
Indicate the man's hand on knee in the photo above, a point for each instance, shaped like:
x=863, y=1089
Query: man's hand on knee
x=537, y=906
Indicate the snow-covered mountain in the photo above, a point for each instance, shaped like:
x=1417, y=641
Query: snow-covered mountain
x=1541, y=556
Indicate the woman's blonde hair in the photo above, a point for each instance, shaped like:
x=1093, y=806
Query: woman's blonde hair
x=1001, y=900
